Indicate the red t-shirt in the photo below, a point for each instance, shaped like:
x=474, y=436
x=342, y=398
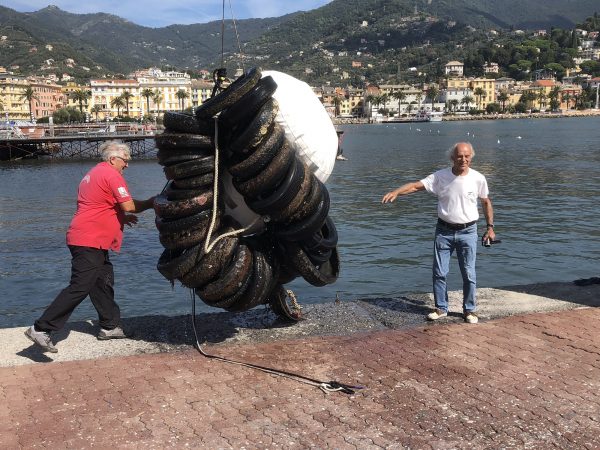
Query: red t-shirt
x=98, y=221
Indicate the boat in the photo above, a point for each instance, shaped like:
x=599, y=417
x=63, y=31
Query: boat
x=427, y=116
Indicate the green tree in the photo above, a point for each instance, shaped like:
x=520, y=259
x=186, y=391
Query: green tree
x=118, y=102
x=69, y=114
x=29, y=94
x=81, y=96
x=400, y=96
x=95, y=110
x=467, y=100
x=157, y=98
x=432, y=93
x=337, y=101
x=479, y=93
x=503, y=98
x=453, y=104
x=126, y=96
x=181, y=95
x=147, y=94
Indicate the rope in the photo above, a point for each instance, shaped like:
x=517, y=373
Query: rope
x=325, y=386
x=237, y=36
x=208, y=246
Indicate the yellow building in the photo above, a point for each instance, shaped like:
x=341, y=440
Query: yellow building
x=105, y=91
x=201, y=90
x=68, y=93
x=489, y=92
x=167, y=84
x=14, y=105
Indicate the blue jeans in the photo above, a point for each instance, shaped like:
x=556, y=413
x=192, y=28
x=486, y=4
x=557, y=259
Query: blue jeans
x=465, y=243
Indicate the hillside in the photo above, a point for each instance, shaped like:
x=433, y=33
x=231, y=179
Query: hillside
x=384, y=36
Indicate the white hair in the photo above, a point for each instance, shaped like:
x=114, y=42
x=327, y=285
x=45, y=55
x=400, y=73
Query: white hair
x=114, y=148
x=452, y=150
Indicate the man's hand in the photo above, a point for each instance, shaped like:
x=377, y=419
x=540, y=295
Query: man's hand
x=389, y=197
x=489, y=234
x=130, y=220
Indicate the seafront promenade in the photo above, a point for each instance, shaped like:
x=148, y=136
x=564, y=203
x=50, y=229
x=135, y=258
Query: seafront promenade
x=527, y=376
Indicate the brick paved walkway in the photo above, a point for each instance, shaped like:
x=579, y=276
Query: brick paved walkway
x=529, y=381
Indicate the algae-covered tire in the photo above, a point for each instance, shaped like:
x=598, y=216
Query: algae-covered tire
x=170, y=209
x=187, y=238
x=229, y=96
x=183, y=223
x=212, y=263
x=190, y=168
x=269, y=177
x=231, y=280
x=284, y=193
x=278, y=300
x=260, y=284
x=182, y=141
x=245, y=140
x=242, y=111
x=174, y=193
x=322, y=275
x=306, y=227
x=170, y=158
x=252, y=164
x=186, y=123
x=194, y=182
x=174, y=264
x=324, y=239
x=278, y=217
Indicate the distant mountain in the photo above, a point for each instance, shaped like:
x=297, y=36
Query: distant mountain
x=100, y=43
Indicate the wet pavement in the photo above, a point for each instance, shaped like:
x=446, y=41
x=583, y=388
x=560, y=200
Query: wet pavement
x=522, y=381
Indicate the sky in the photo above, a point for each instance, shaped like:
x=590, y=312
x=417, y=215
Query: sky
x=160, y=13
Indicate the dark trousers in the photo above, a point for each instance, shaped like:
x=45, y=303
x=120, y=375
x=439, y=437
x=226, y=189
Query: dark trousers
x=91, y=274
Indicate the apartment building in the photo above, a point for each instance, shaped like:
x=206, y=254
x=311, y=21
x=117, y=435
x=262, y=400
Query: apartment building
x=14, y=105
x=105, y=90
x=488, y=87
x=49, y=97
x=167, y=84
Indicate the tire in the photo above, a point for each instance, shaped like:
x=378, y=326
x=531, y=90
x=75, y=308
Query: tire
x=246, y=140
x=307, y=206
x=279, y=217
x=183, y=141
x=211, y=264
x=183, y=223
x=168, y=209
x=260, y=285
x=190, y=168
x=324, y=239
x=252, y=164
x=284, y=193
x=244, y=110
x=305, y=228
x=187, y=238
x=205, y=180
x=233, y=278
x=173, y=193
x=278, y=302
x=322, y=275
x=229, y=96
x=186, y=123
x=269, y=177
x=175, y=264
x=170, y=158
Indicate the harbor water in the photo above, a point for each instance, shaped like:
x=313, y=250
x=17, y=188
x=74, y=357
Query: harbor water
x=544, y=183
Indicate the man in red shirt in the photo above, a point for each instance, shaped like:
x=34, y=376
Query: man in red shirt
x=103, y=201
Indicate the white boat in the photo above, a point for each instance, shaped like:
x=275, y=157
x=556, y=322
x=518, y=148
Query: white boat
x=427, y=116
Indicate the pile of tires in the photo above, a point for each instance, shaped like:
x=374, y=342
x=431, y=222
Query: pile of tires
x=261, y=179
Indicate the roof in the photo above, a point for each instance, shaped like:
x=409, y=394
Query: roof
x=455, y=63
x=544, y=83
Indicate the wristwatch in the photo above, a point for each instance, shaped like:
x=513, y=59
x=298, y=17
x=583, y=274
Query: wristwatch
x=490, y=225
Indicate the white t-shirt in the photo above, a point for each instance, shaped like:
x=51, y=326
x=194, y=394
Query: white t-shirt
x=457, y=195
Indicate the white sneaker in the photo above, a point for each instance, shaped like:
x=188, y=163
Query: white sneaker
x=437, y=314
x=41, y=338
x=471, y=317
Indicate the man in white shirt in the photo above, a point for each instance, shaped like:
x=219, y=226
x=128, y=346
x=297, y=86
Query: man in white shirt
x=457, y=189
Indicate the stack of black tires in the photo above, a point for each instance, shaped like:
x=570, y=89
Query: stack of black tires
x=299, y=237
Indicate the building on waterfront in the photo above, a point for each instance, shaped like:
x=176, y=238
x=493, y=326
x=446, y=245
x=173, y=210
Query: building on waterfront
x=105, y=91
x=201, y=90
x=68, y=91
x=487, y=87
x=166, y=84
x=12, y=90
x=454, y=68
x=49, y=97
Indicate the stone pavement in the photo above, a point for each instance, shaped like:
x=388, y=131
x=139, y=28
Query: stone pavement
x=525, y=381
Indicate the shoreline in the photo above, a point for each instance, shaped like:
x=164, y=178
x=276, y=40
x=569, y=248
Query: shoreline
x=160, y=334
x=454, y=117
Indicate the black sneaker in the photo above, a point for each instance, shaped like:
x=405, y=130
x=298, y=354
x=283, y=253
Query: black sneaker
x=41, y=338
x=115, y=333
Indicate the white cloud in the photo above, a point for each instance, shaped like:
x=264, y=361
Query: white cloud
x=159, y=13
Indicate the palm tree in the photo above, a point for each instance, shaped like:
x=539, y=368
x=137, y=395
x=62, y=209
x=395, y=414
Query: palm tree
x=147, y=93
x=400, y=96
x=432, y=93
x=479, y=93
x=541, y=96
x=503, y=98
x=337, y=101
x=453, y=104
x=370, y=99
x=567, y=99
x=95, y=110
x=553, y=95
x=181, y=96
x=80, y=96
x=419, y=98
x=29, y=94
x=157, y=98
x=126, y=96
x=467, y=100
x=118, y=103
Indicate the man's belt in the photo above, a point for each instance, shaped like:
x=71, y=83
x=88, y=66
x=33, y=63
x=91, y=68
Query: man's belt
x=455, y=226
